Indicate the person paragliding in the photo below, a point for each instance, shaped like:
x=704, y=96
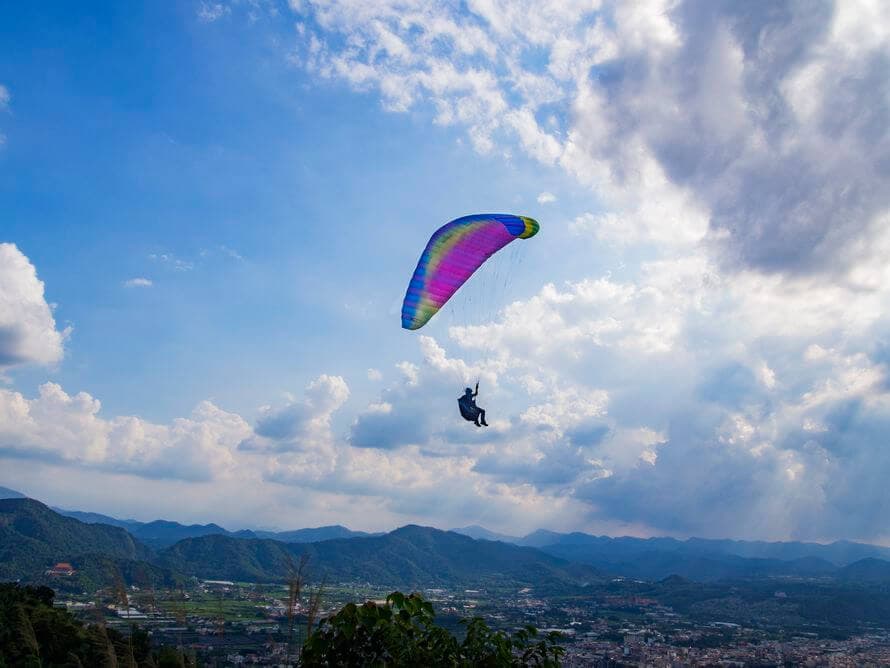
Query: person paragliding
x=452, y=255
x=468, y=408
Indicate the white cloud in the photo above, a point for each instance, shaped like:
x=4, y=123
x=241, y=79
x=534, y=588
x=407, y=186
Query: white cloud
x=759, y=131
x=5, y=97
x=410, y=372
x=568, y=407
x=28, y=333
x=58, y=427
x=170, y=260
x=302, y=424
x=138, y=283
x=219, y=251
x=375, y=375
x=546, y=198
x=209, y=12
x=708, y=382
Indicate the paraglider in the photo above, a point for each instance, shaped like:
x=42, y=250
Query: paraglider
x=468, y=408
x=454, y=252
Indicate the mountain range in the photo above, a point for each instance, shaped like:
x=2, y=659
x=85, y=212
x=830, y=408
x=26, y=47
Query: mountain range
x=159, y=534
x=606, y=551
x=33, y=535
x=410, y=556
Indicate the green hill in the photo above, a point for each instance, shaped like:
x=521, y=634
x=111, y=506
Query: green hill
x=6, y=493
x=408, y=557
x=415, y=555
x=33, y=538
x=219, y=557
x=866, y=570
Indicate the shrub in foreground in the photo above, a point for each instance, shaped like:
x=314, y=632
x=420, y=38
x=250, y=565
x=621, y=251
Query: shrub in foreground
x=402, y=632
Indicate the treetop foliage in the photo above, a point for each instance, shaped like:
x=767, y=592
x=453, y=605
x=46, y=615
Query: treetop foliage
x=402, y=632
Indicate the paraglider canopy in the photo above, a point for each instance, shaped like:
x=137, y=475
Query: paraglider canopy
x=454, y=252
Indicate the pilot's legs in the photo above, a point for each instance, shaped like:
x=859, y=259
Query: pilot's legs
x=482, y=416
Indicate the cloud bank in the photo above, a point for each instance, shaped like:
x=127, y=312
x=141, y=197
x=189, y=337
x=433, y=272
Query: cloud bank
x=59, y=428
x=676, y=113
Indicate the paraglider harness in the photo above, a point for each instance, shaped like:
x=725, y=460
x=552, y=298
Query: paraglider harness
x=467, y=404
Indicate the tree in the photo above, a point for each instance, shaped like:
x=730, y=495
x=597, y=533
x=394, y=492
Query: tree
x=34, y=633
x=402, y=632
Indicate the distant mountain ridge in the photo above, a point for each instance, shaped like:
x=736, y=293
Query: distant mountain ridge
x=640, y=558
x=605, y=552
x=481, y=533
x=33, y=537
x=159, y=534
x=312, y=535
x=96, y=518
x=702, y=559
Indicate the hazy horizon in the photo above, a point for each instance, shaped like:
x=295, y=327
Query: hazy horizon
x=211, y=211
x=148, y=517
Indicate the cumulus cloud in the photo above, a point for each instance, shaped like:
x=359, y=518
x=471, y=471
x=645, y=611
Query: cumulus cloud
x=748, y=120
x=762, y=131
x=28, y=333
x=400, y=458
x=402, y=416
x=546, y=198
x=139, y=282
x=382, y=425
x=719, y=413
x=60, y=428
x=301, y=424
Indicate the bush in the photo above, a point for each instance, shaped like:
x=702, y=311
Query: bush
x=402, y=632
x=34, y=633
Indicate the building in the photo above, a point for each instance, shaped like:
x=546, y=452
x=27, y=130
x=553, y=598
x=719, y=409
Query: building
x=62, y=569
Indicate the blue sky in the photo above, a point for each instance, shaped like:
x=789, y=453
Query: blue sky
x=292, y=210
x=224, y=201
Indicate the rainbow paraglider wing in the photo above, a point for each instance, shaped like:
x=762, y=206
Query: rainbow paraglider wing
x=453, y=253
